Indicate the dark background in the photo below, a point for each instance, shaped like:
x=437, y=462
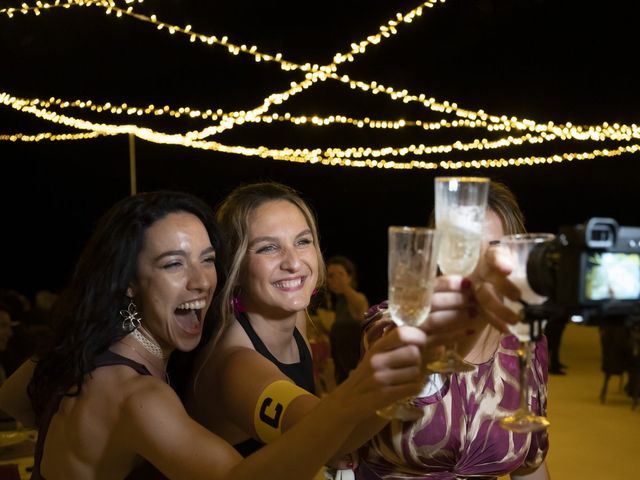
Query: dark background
x=559, y=60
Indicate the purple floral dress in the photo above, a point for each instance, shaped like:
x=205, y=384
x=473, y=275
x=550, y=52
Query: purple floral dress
x=459, y=435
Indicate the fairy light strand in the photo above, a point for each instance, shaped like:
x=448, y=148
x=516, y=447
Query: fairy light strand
x=384, y=31
x=53, y=137
x=313, y=156
x=594, y=134
x=231, y=119
x=581, y=132
x=343, y=157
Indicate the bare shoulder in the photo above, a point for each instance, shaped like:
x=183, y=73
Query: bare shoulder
x=109, y=390
x=124, y=377
x=213, y=358
x=148, y=395
x=154, y=424
x=147, y=407
x=243, y=365
x=235, y=336
x=244, y=376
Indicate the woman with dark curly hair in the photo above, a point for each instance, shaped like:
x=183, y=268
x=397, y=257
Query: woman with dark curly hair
x=100, y=396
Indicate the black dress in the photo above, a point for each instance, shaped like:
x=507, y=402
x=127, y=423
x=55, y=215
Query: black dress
x=300, y=373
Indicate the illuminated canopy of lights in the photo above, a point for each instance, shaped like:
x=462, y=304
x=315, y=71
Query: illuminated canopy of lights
x=525, y=131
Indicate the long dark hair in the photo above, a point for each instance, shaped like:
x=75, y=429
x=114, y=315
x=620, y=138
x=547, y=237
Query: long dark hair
x=86, y=319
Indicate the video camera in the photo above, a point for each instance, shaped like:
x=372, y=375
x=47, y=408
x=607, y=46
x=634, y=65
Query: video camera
x=589, y=273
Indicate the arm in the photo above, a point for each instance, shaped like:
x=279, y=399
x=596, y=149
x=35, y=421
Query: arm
x=462, y=308
x=388, y=369
x=540, y=473
x=155, y=425
x=14, y=399
x=448, y=320
x=451, y=309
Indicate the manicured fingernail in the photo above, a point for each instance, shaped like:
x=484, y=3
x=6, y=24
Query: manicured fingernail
x=350, y=465
x=470, y=331
x=472, y=312
x=465, y=284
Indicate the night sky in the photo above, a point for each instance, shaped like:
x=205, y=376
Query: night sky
x=546, y=60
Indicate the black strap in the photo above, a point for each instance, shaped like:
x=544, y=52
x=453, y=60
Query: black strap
x=301, y=373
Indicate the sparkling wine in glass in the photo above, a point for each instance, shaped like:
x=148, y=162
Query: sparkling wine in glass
x=412, y=272
x=523, y=419
x=460, y=204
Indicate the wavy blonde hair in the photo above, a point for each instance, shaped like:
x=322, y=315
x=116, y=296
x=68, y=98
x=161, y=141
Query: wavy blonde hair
x=233, y=217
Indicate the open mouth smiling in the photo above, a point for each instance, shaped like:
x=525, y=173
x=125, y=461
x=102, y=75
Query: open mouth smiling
x=189, y=315
x=290, y=284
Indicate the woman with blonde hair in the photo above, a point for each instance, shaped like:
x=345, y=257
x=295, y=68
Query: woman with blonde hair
x=255, y=381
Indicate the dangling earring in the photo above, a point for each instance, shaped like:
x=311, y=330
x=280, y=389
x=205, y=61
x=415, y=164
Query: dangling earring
x=132, y=319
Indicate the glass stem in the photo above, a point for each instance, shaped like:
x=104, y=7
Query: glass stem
x=523, y=361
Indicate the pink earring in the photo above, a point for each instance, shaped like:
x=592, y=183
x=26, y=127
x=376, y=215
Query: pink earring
x=236, y=303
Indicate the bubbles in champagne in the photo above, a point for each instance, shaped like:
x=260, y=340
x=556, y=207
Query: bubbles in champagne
x=410, y=301
x=459, y=247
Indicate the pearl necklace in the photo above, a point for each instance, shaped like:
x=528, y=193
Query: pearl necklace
x=149, y=344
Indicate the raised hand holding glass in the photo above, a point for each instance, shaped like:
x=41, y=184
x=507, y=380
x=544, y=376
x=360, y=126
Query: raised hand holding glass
x=460, y=204
x=412, y=271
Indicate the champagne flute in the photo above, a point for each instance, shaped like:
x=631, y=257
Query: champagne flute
x=460, y=204
x=523, y=419
x=412, y=272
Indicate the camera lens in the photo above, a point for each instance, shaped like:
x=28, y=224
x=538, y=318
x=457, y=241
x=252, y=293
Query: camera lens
x=542, y=266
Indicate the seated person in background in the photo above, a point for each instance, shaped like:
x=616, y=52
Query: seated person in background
x=21, y=345
x=16, y=344
x=349, y=306
x=14, y=302
x=459, y=435
x=100, y=396
x=319, y=323
x=262, y=351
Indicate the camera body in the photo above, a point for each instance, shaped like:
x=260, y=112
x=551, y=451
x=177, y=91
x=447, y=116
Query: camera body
x=591, y=270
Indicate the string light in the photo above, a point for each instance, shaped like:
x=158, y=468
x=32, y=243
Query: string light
x=385, y=31
x=110, y=7
x=54, y=137
x=39, y=6
x=576, y=133
x=312, y=156
x=315, y=73
x=580, y=132
x=229, y=120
